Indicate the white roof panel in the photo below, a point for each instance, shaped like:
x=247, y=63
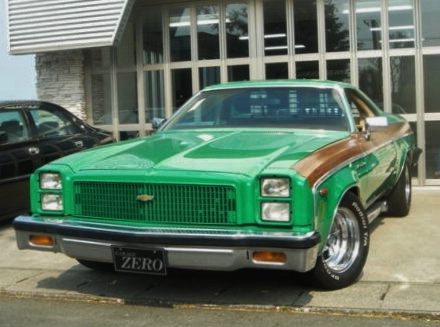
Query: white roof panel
x=52, y=25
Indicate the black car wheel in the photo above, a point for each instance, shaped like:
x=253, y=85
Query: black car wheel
x=346, y=249
x=399, y=200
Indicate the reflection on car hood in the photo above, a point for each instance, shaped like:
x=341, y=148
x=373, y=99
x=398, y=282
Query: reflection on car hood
x=240, y=151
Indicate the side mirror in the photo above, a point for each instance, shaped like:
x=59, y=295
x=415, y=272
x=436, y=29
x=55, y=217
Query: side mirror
x=3, y=137
x=374, y=124
x=157, y=122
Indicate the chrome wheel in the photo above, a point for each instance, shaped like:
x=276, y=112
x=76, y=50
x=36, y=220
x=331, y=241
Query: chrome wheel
x=343, y=242
x=346, y=248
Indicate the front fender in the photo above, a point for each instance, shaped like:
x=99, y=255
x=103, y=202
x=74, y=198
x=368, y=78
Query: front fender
x=328, y=195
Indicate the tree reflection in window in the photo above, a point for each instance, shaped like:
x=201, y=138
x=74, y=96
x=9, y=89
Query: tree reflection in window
x=237, y=39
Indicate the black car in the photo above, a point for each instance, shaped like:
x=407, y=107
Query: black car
x=33, y=133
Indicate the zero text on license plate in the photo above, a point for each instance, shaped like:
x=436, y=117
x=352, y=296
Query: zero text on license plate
x=143, y=261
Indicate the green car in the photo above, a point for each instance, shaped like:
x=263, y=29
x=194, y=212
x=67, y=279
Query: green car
x=263, y=174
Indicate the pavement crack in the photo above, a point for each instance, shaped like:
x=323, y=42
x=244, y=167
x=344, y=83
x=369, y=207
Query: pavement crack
x=82, y=283
x=384, y=294
x=22, y=280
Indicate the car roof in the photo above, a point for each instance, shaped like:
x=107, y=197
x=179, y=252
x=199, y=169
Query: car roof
x=279, y=83
x=23, y=103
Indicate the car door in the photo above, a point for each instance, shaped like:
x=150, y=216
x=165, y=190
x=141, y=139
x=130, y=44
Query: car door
x=19, y=157
x=57, y=133
x=380, y=162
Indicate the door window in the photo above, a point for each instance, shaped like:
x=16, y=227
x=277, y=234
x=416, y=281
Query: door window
x=13, y=127
x=52, y=123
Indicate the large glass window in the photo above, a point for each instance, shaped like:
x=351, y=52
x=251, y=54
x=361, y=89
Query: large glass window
x=401, y=21
x=430, y=25
x=208, y=32
x=209, y=76
x=336, y=25
x=368, y=24
x=432, y=151
x=230, y=36
x=237, y=38
x=126, y=51
x=307, y=70
x=415, y=170
x=306, y=26
x=127, y=98
x=338, y=70
x=238, y=73
x=180, y=36
x=152, y=40
x=275, y=28
x=154, y=94
x=431, y=73
x=370, y=78
x=277, y=70
x=403, y=83
x=182, y=86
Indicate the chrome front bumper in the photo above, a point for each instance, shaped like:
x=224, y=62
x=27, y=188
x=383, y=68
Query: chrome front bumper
x=183, y=248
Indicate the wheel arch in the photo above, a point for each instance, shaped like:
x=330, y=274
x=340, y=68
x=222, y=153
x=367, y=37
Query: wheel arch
x=340, y=265
x=353, y=189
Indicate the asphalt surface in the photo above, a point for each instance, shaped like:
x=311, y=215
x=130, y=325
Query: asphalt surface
x=401, y=277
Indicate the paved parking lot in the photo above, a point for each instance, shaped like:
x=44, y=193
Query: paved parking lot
x=402, y=275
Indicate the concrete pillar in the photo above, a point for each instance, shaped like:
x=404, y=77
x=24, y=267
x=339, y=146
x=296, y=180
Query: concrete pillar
x=61, y=79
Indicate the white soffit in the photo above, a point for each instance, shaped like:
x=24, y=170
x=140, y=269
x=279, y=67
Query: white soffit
x=53, y=25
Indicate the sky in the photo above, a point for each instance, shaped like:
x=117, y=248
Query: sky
x=17, y=73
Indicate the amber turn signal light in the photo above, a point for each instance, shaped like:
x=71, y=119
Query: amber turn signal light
x=41, y=240
x=271, y=257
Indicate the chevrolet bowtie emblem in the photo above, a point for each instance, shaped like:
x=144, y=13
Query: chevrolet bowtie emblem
x=145, y=197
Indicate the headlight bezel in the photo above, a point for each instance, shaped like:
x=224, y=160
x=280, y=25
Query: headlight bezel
x=50, y=185
x=275, y=193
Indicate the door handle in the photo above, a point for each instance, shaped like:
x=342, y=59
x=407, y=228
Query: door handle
x=79, y=144
x=34, y=150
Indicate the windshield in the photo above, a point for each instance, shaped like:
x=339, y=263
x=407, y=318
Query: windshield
x=272, y=107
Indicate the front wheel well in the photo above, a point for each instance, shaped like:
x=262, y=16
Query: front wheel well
x=353, y=190
x=346, y=246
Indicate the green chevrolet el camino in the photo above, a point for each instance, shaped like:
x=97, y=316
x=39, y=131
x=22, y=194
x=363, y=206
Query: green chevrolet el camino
x=269, y=174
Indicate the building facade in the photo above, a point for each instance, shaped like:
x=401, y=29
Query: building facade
x=122, y=62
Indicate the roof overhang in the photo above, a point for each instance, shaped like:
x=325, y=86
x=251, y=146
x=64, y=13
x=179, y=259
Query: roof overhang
x=54, y=25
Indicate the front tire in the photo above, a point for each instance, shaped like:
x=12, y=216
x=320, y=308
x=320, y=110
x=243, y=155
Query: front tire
x=346, y=248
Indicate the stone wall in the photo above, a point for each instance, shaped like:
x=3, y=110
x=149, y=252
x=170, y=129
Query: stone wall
x=60, y=79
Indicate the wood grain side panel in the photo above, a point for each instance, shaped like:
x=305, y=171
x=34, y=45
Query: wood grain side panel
x=319, y=163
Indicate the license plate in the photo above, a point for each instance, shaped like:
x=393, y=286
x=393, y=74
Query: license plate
x=142, y=261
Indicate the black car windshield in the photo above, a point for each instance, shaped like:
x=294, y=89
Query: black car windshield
x=272, y=107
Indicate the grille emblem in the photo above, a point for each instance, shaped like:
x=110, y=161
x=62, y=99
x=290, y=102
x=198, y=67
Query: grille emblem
x=145, y=197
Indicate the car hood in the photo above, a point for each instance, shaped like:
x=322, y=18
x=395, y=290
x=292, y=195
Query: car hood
x=239, y=151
